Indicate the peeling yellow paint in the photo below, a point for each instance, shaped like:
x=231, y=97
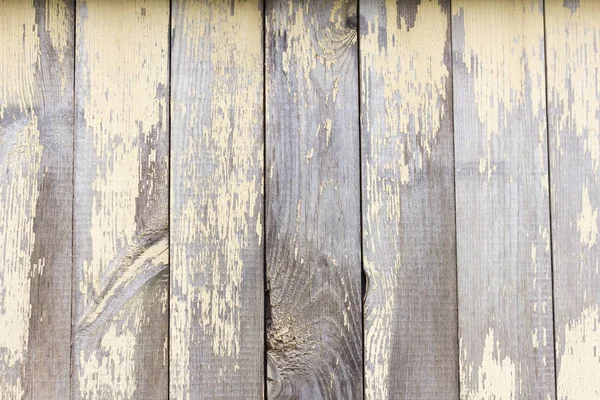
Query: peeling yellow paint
x=20, y=167
x=587, y=223
x=508, y=75
x=207, y=281
x=495, y=376
x=122, y=56
x=578, y=376
x=409, y=73
x=574, y=58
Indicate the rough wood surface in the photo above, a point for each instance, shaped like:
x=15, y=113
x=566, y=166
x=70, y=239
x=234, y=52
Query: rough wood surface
x=36, y=192
x=217, y=322
x=503, y=232
x=120, y=319
x=411, y=346
x=573, y=37
x=314, y=330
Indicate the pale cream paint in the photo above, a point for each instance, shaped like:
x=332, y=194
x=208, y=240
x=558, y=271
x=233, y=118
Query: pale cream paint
x=216, y=213
x=587, y=223
x=495, y=374
x=503, y=56
x=502, y=67
x=580, y=357
x=20, y=162
x=574, y=37
x=57, y=16
x=572, y=45
x=123, y=54
x=411, y=71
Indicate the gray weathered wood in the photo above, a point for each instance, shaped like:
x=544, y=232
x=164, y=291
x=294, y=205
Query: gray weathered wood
x=573, y=37
x=36, y=192
x=503, y=232
x=314, y=330
x=217, y=323
x=411, y=346
x=120, y=348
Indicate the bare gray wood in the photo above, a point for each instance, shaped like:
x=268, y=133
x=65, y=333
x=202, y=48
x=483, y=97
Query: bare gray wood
x=411, y=346
x=502, y=204
x=121, y=245
x=36, y=192
x=217, y=207
x=314, y=328
x=573, y=35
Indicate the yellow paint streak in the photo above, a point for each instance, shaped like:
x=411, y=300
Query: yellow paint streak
x=20, y=162
x=494, y=377
x=578, y=375
x=574, y=58
x=123, y=55
x=57, y=16
x=409, y=72
x=19, y=55
x=503, y=53
x=217, y=214
x=414, y=82
x=587, y=223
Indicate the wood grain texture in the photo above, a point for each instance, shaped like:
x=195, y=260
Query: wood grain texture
x=120, y=348
x=573, y=36
x=36, y=192
x=314, y=330
x=411, y=347
x=217, y=323
x=503, y=239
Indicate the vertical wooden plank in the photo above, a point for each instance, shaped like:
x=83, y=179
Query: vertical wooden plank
x=411, y=347
x=121, y=200
x=36, y=192
x=217, y=323
x=503, y=239
x=573, y=37
x=313, y=192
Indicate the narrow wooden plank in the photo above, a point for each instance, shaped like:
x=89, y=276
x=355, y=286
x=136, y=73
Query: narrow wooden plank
x=573, y=37
x=503, y=232
x=411, y=347
x=217, y=309
x=314, y=331
x=36, y=192
x=121, y=240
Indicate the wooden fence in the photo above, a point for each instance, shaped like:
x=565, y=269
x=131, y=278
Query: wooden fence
x=299, y=199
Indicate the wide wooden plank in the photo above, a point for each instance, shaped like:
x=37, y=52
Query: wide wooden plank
x=36, y=192
x=314, y=329
x=120, y=348
x=573, y=37
x=502, y=204
x=411, y=346
x=217, y=307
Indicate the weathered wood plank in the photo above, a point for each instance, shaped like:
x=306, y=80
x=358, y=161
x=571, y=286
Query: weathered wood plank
x=217, y=308
x=314, y=331
x=36, y=192
x=503, y=239
x=573, y=37
x=121, y=240
x=411, y=346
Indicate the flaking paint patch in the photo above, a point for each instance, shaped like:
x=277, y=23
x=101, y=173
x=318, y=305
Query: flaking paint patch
x=495, y=376
x=215, y=228
x=580, y=357
x=587, y=223
x=414, y=83
x=503, y=71
x=575, y=37
x=20, y=162
x=57, y=12
x=123, y=62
